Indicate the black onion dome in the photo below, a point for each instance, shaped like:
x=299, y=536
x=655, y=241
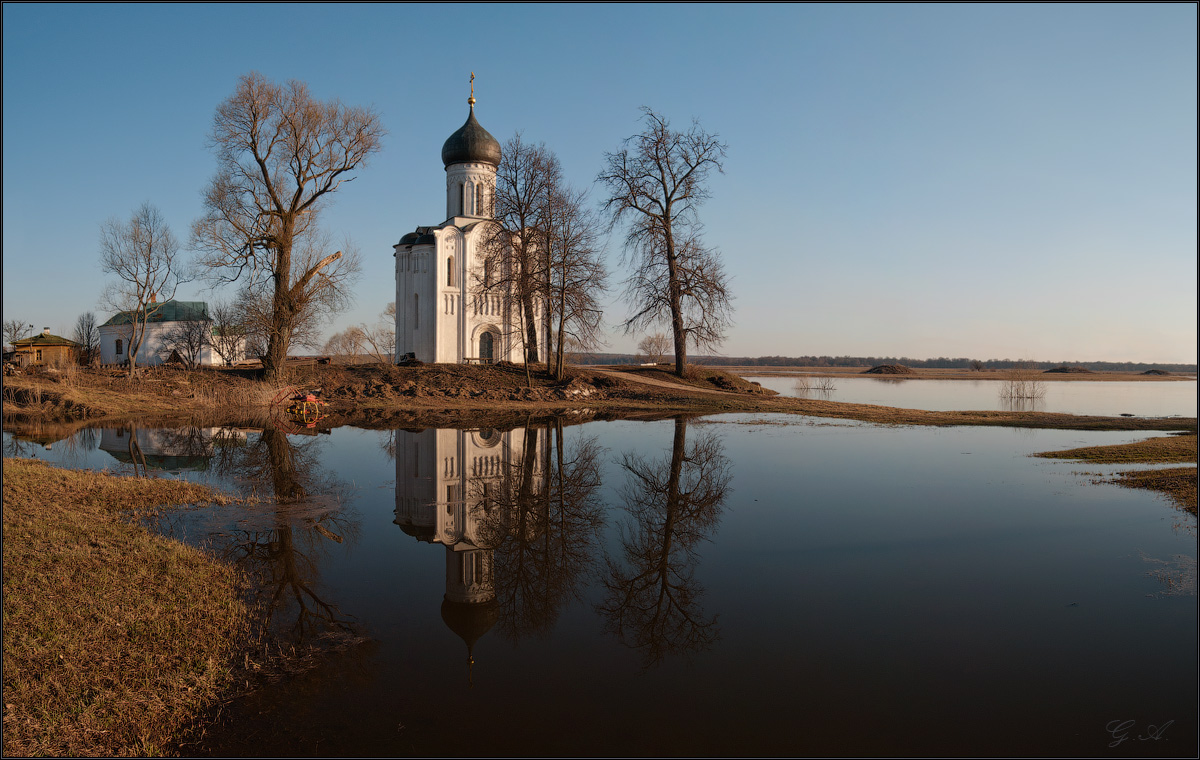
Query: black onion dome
x=471, y=143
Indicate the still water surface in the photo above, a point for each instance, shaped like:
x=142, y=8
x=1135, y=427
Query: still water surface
x=733, y=585
x=1176, y=398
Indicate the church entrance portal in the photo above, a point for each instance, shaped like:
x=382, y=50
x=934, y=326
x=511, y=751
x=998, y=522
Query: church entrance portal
x=486, y=346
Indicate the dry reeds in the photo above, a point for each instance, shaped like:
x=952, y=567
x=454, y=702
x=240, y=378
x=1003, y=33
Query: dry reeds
x=815, y=384
x=1024, y=383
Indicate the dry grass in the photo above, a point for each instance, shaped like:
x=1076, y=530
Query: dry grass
x=1179, y=483
x=1169, y=449
x=115, y=640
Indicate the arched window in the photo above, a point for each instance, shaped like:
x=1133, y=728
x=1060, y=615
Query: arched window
x=416, y=311
x=450, y=271
x=479, y=200
x=120, y=346
x=461, y=200
x=487, y=273
x=486, y=346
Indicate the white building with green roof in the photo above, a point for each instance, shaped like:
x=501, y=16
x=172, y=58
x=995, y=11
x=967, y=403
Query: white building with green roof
x=163, y=328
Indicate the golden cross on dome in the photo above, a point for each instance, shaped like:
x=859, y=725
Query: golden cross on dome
x=471, y=100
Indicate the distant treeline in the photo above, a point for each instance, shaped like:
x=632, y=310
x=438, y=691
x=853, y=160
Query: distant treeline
x=866, y=362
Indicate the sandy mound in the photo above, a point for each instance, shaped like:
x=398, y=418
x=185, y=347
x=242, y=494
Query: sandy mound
x=890, y=369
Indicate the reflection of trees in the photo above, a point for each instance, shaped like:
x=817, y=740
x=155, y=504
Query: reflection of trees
x=542, y=519
x=653, y=598
x=19, y=448
x=283, y=555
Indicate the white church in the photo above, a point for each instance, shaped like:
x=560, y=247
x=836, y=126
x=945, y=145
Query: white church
x=447, y=311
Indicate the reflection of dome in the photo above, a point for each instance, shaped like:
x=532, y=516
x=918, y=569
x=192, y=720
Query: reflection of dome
x=424, y=533
x=471, y=144
x=470, y=621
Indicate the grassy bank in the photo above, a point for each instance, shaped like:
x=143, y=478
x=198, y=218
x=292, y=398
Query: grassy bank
x=115, y=639
x=380, y=394
x=1178, y=483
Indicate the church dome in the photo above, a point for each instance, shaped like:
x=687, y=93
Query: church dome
x=471, y=143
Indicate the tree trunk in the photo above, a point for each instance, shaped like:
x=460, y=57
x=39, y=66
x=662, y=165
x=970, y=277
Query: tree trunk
x=676, y=305
x=531, y=341
x=275, y=362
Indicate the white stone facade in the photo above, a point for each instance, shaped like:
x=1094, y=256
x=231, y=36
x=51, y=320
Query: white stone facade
x=443, y=312
x=114, y=346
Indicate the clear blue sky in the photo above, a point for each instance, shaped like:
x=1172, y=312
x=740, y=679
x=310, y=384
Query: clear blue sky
x=992, y=181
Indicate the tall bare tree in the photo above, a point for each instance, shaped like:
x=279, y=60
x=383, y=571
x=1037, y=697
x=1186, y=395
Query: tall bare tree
x=656, y=182
x=281, y=154
x=511, y=254
x=575, y=274
x=87, y=335
x=143, y=255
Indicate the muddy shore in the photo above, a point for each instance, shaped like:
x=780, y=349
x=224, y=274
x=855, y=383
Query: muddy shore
x=379, y=396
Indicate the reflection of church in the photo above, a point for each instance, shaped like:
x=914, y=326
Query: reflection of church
x=450, y=487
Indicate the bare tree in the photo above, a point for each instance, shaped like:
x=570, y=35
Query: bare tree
x=228, y=334
x=346, y=344
x=87, y=335
x=512, y=261
x=379, y=341
x=281, y=154
x=575, y=274
x=654, y=347
x=653, y=599
x=657, y=182
x=186, y=339
x=143, y=254
x=1024, y=386
x=15, y=329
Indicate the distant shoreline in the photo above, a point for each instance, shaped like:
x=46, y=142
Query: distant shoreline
x=924, y=373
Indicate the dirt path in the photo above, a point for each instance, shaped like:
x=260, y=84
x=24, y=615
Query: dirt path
x=634, y=378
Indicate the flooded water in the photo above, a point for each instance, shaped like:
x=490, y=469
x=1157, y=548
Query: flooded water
x=1176, y=398
x=732, y=585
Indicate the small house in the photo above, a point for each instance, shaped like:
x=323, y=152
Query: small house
x=44, y=349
